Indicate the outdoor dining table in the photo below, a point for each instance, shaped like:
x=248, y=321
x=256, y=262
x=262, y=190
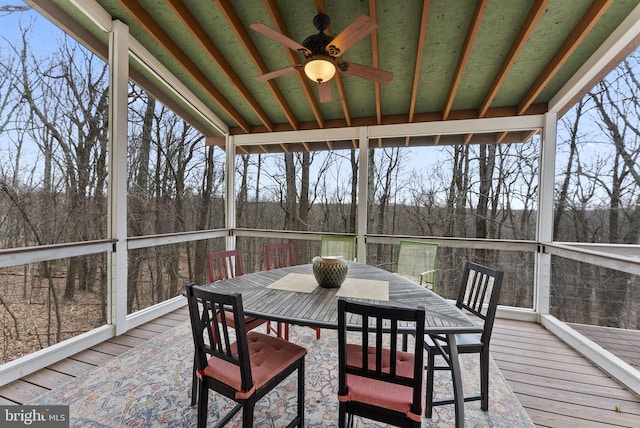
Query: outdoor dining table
x=292, y=295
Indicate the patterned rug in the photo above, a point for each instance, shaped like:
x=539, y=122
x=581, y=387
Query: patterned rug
x=149, y=386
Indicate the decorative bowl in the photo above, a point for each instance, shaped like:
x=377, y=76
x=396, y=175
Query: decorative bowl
x=329, y=271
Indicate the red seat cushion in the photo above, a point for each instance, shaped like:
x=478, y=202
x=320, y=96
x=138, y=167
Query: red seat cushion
x=268, y=355
x=376, y=392
x=249, y=322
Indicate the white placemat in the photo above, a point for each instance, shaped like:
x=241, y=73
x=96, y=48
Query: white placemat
x=364, y=289
x=352, y=287
x=299, y=282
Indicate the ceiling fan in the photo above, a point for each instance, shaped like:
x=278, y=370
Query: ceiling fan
x=321, y=52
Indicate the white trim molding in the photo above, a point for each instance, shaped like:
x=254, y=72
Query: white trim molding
x=451, y=127
x=37, y=360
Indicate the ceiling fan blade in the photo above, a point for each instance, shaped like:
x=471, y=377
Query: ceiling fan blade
x=359, y=28
x=365, y=71
x=265, y=30
x=277, y=73
x=324, y=92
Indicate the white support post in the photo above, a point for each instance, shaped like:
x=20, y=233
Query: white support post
x=544, y=229
x=230, y=189
x=118, y=132
x=363, y=193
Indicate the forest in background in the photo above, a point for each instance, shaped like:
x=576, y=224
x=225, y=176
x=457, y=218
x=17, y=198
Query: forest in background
x=54, y=174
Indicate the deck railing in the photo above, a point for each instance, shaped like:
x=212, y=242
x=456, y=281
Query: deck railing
x=519, y=259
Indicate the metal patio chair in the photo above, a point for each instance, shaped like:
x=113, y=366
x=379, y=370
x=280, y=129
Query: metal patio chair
x=376, y=380
x=338, y=245
x=418, y=260
x=243, y=366
x=478, y=294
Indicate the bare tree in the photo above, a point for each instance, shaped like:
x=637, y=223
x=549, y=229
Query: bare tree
x=457, y=192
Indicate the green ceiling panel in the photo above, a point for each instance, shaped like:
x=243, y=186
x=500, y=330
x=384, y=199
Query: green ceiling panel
x=442, y=50
x=397, y=54
x=398, y=29
x=554, y=27
x=500, y=26
x=603, y=29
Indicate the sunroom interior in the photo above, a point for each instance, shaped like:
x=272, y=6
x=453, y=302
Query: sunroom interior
x=457, y=83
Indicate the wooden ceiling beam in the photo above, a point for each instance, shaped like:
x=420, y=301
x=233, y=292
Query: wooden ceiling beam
x=478, y=14
x=417, y=69
x=200, y=35
x=422, y=34
x=472, y=33
x=235, y=23
x=467, y=139
x=278, y=21
x=155, y=31
x=501, y=137
x=589, y=19
x=376, y=61
x=343, y=99
x=534, y=15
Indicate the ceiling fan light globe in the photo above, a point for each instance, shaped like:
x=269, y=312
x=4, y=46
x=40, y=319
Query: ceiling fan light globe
x=320, y=69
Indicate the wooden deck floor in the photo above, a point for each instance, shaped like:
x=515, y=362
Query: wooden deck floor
x=622, y=343
x=557, y=387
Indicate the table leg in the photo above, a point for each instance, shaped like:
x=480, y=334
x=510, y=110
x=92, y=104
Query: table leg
x=456, y=377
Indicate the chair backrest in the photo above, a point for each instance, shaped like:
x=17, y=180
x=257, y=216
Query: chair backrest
x=416, y=258
x=479, y=294
x=214, y=337
x=335, y=245
x=278, y=255
x=220, y=265
x=377, y=330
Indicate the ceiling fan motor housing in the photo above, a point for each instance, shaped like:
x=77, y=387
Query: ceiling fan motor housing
x=317, y=43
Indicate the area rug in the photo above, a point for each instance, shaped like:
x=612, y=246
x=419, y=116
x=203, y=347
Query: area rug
x=149, y=386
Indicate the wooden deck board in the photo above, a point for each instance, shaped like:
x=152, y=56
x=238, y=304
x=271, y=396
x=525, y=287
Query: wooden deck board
x=560, y=386
x=6, y=402
x=21, y=391
x=557, y=387
x=580, y=398
x=622, y=343
x=509, y=343
x=72, y=367
x=571, y=366
x=580, y=412
x=543, y=359
x=178, y=316
x=553, y=374
x=113, y=349
x=153, y=328
x=127, y=340
x=92, y=357
x=166, y=322
x=545, y=419
x=141, y=333
x=48, y=378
